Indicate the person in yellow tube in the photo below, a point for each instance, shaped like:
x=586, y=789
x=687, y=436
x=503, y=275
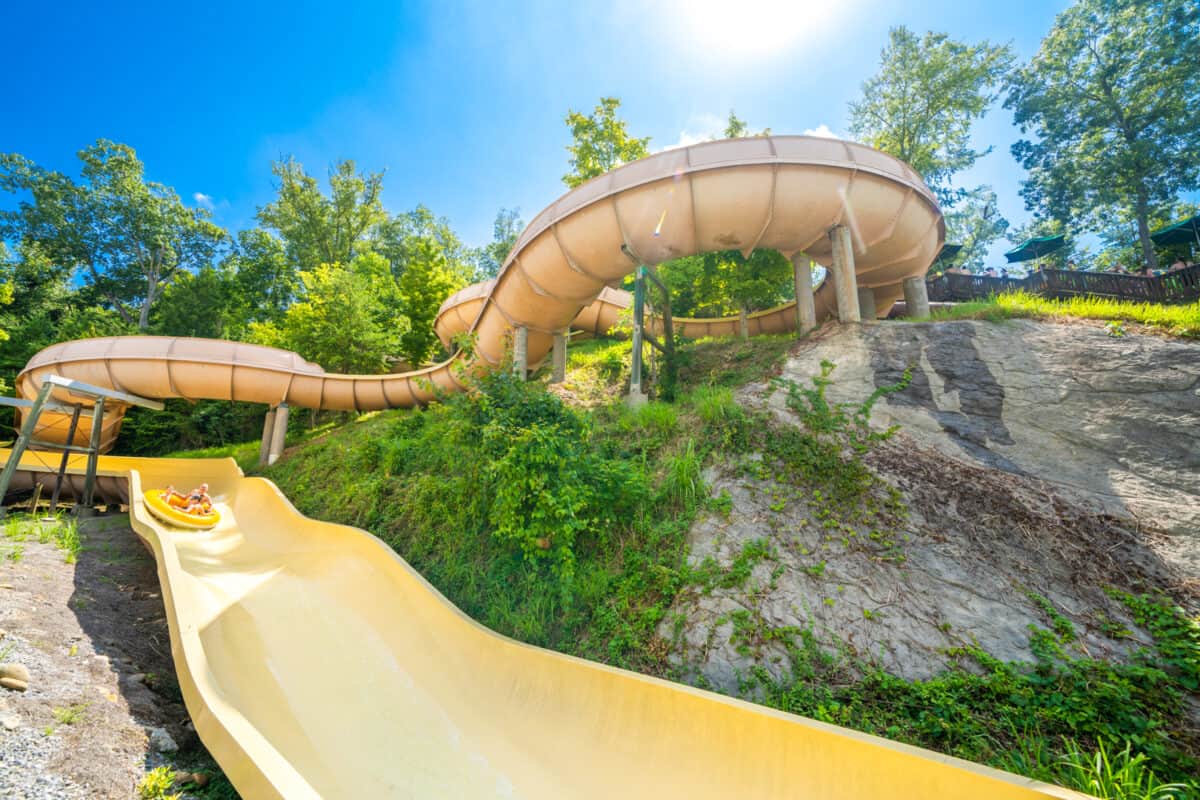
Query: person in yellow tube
x=197, y=501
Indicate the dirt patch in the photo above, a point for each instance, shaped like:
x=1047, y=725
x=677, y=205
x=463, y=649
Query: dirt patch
x=94, y=637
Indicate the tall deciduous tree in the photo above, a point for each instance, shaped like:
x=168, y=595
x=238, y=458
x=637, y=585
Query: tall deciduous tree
x=505, y=232
x=1113, y=99
x=600, y=142
x=130, y=237
x=317, y=229
x=399, y=239
x=736, y=128
x=424, y=284
x=921, y=104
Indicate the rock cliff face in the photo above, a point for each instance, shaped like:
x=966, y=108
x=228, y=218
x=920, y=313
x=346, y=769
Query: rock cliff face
x=1038, y=463
x=1115, y=422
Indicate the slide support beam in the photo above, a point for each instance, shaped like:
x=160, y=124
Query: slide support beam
x=89, y=480
x=806, y=312
x=846, y=282
x=521, y=352
x=866, y=303
x=278, y=433
x=264, y=449
x=558, y=372
x=637, y=395
x=916, y=298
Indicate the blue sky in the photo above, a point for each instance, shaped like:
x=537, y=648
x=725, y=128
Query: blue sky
x=461, y=103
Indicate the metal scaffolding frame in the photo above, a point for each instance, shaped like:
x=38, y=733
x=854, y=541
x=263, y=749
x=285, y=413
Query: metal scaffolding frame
x=33, y=409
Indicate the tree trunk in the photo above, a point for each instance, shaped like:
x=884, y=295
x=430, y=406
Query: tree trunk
x=1143, y=222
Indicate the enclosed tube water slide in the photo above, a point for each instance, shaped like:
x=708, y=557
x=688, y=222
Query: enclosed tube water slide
x=780, y=192
x=315, y=663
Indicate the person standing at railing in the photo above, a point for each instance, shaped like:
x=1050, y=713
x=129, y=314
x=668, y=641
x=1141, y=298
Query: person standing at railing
x=1178, y=265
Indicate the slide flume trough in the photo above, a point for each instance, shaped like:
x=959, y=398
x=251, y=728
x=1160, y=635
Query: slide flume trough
x=316, y=663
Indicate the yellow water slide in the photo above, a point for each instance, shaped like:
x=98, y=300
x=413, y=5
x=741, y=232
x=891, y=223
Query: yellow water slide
x=315, y=663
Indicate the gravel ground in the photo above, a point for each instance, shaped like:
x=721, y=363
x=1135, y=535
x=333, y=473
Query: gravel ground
x=94, y=638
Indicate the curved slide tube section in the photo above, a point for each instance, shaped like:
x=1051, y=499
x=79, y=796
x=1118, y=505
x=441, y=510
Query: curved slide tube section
x=780, y=192
x=316, y=663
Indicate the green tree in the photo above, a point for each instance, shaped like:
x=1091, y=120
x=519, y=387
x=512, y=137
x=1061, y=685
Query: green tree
x=204, y=303
x=266, y=279
x=346, y=318
x=736, y=128
x=505, y=232
x=400, y=238
x=1112, y=99
x=974, y=223
x=600, y=142
x=130, y=237
x=324, y=230
x=921, y=104
x=424, y=284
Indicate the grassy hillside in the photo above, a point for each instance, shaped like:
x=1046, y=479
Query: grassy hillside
x=564, y=523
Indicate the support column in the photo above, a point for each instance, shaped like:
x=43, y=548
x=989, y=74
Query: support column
x=916, y=298
x=637, y=396
x=846, y=281
x=23, y=438
x=743, y=324
x=521, y=352
x=84, y=507
x=558, y=372
x=278, y=433
x=866, y=303
x=806, y=312
x=264, y=449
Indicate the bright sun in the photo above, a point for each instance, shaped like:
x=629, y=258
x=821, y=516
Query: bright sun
x=746, y=27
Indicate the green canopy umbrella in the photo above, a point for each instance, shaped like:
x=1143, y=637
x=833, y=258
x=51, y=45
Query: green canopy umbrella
x=948, y=252
x=1036, y=247
x=1185, y=232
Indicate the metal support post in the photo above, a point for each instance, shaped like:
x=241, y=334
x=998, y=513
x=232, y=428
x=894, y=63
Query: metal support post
x=89, y=479
x=66, y=456
x=637, y=394
x=23, y=438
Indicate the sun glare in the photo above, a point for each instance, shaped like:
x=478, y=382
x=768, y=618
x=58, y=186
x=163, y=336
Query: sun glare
x=747, y=27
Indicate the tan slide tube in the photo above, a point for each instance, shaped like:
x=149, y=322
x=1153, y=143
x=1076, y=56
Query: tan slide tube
x=316, y=663
x=780, y=192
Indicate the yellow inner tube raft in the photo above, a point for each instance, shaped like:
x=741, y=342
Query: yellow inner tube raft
x=156, y=504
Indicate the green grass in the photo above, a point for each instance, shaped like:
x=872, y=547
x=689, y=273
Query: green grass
x=61, y=529
x=1177, y=320
x=566, y=527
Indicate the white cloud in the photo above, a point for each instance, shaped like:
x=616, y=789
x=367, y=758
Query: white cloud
x=822, y=131
x=700, y=128
x=203, y=200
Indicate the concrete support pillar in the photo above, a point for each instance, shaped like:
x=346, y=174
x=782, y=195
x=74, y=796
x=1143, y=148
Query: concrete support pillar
x=846, y=281
x=743, y=324
x=558, y=359
x=521, y=352
x=806, y=312
x=264, y=449
x=916, y=298
x=866, y=303
x=278, y=432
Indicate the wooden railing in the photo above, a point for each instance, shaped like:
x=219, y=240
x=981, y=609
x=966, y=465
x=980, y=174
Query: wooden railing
x=1173, y=287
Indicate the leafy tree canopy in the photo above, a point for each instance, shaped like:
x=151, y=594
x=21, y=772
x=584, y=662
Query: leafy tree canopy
x=505, y=232
x=130, y=237
x=600, y=142
x=1112, y=99
x=921, y=104
x=975, y=223
x=324, y=230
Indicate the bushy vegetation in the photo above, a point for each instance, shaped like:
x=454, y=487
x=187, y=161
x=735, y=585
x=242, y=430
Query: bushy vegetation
x=1177, y=320
x=566, y=528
